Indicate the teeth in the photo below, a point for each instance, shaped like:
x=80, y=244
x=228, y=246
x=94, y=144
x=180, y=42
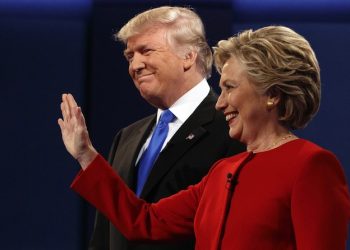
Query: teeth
x=230, y=116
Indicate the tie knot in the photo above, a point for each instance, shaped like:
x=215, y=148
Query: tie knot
x=166, y=116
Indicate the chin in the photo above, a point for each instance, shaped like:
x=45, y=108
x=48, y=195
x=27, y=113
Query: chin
x=147, y=93
x=234, y=135
x=155, y=101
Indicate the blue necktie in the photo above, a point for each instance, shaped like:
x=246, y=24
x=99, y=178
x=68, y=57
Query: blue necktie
x=151, y=153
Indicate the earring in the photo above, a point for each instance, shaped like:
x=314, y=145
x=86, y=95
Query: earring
x=270, y=105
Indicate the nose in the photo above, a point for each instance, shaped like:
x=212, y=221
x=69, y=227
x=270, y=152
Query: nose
x=137, y=63
x=221, y=103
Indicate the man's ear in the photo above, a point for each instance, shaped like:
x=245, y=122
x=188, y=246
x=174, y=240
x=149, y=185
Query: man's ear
x=189, y=60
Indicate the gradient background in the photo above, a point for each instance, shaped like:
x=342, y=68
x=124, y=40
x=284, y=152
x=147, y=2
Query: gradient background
x=48, y=47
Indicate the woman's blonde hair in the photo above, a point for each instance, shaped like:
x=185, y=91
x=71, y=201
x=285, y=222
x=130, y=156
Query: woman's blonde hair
x=185, y=29
x=279, y=62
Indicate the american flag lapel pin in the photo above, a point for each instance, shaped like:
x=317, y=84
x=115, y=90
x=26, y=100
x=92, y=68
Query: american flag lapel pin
x=190, y=137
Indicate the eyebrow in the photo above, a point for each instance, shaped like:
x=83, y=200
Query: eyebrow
x=137, y=48
x=225, y=81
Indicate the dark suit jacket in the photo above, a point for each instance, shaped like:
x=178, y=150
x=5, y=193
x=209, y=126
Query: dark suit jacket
x=199, y=142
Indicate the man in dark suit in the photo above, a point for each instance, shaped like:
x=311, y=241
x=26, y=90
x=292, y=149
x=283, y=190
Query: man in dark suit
x=169, y=61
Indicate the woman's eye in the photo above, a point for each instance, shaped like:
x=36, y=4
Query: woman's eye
x=229, y=86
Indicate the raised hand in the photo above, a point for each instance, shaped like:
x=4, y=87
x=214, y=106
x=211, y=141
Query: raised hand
x=74, y=132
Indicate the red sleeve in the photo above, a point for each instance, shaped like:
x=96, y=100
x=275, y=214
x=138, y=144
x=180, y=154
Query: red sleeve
x=170, y=218
x=320, y=204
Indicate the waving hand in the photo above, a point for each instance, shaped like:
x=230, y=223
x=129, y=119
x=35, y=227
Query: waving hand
x=74, y=132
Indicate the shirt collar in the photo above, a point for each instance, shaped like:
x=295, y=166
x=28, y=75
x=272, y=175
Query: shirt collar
x=187, y=103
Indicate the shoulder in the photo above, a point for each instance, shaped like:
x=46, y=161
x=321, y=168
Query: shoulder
x=306, y=150
x=315, y=162
x=138, y=125
x=299, y=150
x=140, y=122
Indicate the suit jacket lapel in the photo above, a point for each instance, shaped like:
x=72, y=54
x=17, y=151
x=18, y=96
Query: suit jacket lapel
x=125, y=157
x=188, y=134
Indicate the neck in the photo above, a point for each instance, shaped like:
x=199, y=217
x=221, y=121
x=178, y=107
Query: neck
x=184, y=85
x=270, y=141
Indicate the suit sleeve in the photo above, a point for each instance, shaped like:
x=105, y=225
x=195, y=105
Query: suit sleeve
x=320, y=204
x=100, y=235
x=170, y=218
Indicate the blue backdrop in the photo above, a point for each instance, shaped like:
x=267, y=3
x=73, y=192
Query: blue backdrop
x=50, y=47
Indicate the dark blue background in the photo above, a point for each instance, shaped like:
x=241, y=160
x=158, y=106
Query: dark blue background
x=50, y=47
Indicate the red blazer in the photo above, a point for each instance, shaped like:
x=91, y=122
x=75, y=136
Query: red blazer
x=291, y=197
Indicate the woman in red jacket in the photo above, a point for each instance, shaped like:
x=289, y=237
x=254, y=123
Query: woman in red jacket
x=283, y=193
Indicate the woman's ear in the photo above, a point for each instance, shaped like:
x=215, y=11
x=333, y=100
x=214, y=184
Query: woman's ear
x=189, y=60
x=272, y=102
x=273, y=98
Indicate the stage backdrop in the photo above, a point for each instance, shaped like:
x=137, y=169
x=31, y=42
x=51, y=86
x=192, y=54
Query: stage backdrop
x=51, y=47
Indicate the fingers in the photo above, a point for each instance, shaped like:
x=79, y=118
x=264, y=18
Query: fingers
x=68, y=107
x=71, y=114
x=71, y=102
x=64, y=111
x=66, y=114
x=80, y=117
x=60, y=123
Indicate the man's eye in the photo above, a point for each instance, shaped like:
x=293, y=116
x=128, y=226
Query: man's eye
x=147, y=51
x=129, y=57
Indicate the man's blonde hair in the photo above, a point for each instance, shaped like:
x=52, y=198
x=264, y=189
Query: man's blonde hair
x=184, y=29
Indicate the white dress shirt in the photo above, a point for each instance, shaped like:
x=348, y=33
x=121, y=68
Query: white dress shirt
x=182, y=109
